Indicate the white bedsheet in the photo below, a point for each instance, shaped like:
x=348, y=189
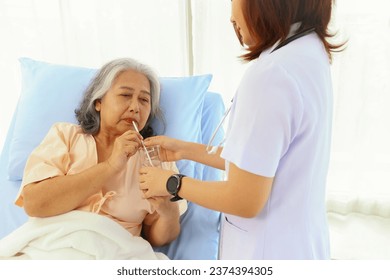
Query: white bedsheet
x=75, y=235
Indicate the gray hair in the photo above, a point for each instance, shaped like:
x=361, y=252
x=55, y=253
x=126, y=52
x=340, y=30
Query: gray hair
x=86, y=114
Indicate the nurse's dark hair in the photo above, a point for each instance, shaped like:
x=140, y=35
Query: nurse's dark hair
x=269, y=21
x=86, y=114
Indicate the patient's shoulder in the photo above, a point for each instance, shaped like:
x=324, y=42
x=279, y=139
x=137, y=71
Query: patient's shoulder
x=64, y=126
x=67, y=128
x=67, y=132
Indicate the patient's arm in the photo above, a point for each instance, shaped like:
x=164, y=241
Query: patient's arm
x=163, y=225
x=62, y=194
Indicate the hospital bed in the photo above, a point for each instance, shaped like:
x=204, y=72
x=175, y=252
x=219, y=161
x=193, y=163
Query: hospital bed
x=50, y=93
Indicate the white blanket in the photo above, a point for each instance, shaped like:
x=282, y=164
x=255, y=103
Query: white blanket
x=75, y=235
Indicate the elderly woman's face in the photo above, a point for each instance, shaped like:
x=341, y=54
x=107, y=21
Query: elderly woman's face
x=127, y=100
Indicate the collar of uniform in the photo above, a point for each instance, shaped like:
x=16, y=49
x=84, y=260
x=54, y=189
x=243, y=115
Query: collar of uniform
x=293, y=29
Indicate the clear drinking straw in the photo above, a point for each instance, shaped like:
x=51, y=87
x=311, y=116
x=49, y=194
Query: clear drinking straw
x=143, y=145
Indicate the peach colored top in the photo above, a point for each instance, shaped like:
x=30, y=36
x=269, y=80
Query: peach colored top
x=67, y=150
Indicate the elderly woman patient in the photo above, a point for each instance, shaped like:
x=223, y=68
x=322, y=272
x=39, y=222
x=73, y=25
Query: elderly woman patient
x=94, y=166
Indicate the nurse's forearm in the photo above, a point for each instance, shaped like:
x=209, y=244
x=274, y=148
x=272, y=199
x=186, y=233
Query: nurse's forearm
x=197, y=152
x=244, y=194
x=216, y=196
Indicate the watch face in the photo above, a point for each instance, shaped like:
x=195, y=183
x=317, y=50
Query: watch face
x=172, y=185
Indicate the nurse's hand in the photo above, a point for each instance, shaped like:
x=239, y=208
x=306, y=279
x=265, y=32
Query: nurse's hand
x=153, y=181
x=170, y=149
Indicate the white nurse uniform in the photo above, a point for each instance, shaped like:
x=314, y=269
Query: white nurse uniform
x=280, y=126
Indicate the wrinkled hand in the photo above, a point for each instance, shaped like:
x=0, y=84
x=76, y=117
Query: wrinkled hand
x=125, y=146
x=169, y=147
x=153, y=181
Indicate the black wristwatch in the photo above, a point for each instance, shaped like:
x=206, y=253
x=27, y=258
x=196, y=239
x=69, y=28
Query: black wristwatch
x=173, y=186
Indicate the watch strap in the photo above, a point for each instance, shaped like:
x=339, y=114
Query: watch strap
x=176, y=196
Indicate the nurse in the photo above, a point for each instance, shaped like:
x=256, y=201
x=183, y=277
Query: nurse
x=277, y=145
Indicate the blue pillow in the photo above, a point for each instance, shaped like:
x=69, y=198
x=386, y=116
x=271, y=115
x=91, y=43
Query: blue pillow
x=51, y=92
